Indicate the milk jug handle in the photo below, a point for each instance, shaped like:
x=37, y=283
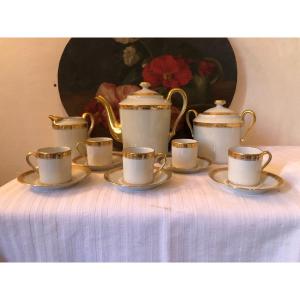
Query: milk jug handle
x=92, y=120
x=187, y=118
x=243, y=115
x=183, y=108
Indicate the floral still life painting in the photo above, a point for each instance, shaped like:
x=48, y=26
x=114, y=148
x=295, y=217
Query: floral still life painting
x=205, y=68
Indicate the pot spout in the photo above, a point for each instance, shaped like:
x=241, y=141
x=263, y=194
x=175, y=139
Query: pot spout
x=113, y=125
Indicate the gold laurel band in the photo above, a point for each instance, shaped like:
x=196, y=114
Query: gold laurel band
x=56, y=155
x=133, y=155
x=218, y=125
x=145, y=107
x=184, y=145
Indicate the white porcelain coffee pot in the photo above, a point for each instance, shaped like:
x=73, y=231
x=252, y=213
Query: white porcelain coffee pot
x=145, y=118
x=68, y=131
x=218, y=129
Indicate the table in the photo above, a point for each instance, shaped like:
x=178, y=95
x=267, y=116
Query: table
x=186, y=220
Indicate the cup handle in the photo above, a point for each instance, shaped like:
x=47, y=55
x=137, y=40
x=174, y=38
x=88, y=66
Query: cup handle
x=160, y=157
x=92, y=120
x=187, y=118
x=269, y=158
x=78, y=149
x=34, y=168
x=243, y=114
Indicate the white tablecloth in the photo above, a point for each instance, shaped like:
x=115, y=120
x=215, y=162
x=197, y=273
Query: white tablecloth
x=188, y=219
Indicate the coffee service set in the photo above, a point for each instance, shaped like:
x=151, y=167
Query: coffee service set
x=144, y=130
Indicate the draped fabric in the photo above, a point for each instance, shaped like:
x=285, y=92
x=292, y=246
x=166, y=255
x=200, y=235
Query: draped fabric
x=189, y=219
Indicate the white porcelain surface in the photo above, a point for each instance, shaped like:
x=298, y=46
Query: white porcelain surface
x=32, y=178
x=218, y=114
x=269, y=182
x=116, y=177
x=184, y=158
x=145, y=118
x=138, y=171
x=245, y=172
x=98, y=154
x=70, y=137
x=146, y=128
x=54, y=170
x=214, y=142
x=144, y=96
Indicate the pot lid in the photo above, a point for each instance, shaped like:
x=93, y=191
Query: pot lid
x=145, y=96
x=218, y=114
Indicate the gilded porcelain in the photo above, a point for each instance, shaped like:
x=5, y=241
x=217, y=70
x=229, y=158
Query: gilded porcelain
x=145, y=118
x=219, y=128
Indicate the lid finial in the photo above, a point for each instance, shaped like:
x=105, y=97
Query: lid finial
x=220, y=102
x=145, y=85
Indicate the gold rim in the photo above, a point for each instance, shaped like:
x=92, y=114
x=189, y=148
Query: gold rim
x=218, y=125
x=116, y=161
x=243, y=156
x=151, y=184
x=196, y=169
x=133, y=155
x=279, y=180
x=55, y=155
x=145, y=107
x=86, y=170
x=70, y=126
x=145, y=94
x=185, y=144
x=98, y=143
x=219, y=113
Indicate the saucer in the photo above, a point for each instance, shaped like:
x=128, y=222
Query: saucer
x=115, y=176
x=32, y=178
x=82, y=161
x=269, y=182
x=202, y=164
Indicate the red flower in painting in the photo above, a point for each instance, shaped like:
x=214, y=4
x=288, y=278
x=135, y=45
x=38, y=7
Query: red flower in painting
x=167, y=71
x=206, y=68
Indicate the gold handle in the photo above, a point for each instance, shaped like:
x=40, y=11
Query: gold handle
x=158, y=158
x=183, y=109
x=269, y=158
x=77, y=148
x=34, y=168
x=85, y=115
x=187, y=118
x=243, y=114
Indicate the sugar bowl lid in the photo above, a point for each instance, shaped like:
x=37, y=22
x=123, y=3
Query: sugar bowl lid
x=218, y=115
x=145, y=97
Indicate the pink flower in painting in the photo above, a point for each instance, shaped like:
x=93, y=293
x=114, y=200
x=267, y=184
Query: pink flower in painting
x=114, y=95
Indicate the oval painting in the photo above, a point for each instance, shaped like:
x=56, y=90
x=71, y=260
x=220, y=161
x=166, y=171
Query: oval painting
x=113, y=67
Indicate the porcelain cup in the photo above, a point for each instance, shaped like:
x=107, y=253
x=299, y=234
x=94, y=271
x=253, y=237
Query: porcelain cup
x=54, y=164
x=98, y=149
x=138, y=165
x=184, y=153
x=245, y=165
